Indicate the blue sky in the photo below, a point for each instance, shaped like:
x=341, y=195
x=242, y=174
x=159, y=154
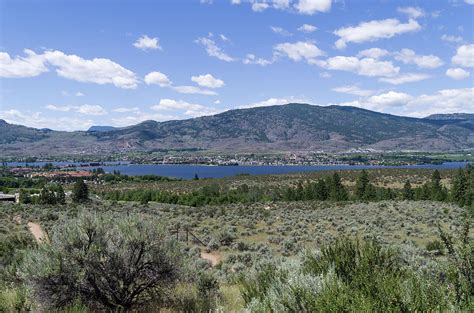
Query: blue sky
x=68, y=65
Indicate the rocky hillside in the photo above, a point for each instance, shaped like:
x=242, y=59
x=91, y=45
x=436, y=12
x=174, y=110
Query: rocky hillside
x=291, y=127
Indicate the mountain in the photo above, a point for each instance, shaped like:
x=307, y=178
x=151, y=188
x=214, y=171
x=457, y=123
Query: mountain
x=291, y=127
x=101, y=128
x=451, y=116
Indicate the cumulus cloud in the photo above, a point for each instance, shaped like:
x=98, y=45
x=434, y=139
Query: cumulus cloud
x=208, y=81
x=193, y=90
x=37, y=120
x=442, y=101
x=452, y=39
x=301, y=50
x=29, y=66
x=405, y=78
x=365, y=66
x=457, y=73
x=147, y=43
x=310, y=7
x=408, y=56
x=354, y=90
x=86, y=109
x=374, y=53
x=307, y=28
x=126, y=110
x=280, y=31
x=98, y=70
x=464, y=56
x=190, y=109
x=157, y=78
x=412, y=12
x=213, y=50
x=252, y=59
x=259, y=6
x=273, y=101
x=374, y=30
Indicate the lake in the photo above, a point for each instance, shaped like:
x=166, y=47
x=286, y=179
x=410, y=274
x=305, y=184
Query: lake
x=186, y=171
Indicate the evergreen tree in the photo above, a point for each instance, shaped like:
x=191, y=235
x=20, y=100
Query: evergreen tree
x=361, y=185
x=321, y=190
x=47, y=196
x=60, y=195
x=458, y=190
x=438, y=192
x=25, y=197
x=337, y=191
x=407, y=192
x=80, y=192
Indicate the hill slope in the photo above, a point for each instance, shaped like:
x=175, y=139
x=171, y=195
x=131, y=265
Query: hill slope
x=291, y=127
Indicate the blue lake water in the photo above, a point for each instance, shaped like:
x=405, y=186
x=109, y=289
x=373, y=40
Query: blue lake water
x=185, y=171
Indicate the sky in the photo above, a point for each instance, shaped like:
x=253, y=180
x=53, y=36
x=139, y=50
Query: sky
x=68, y=65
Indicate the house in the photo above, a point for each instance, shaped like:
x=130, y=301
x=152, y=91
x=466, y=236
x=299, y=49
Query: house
x=9, y=198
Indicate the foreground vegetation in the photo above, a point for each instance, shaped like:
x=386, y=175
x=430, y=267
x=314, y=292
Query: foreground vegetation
x=300, y=253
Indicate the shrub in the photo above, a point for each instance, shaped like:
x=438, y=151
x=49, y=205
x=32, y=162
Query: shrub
x=104, y=262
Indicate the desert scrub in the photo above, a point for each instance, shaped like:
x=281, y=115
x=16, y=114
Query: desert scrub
x=349, y=276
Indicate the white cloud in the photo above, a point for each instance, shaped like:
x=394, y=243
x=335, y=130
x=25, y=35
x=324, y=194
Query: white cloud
x=273, y=101
x=213, y=50
x=280, y=31
x=126, y=110
x=457, y=73
x=281, y=4
x=252, y=59
x=312, y=6
x=408, y=56
x=469, y=1
x=307, y=28
x=405, y=78
x=18, y=67
x=99, y=71
x=147, y=43
x=57, y=108
x=157, y=78
x=374, y=53
x=301, y=50
x=412, y=12
x=37, y=120
x=91, y=109
x=86, y=109
x=442, y=101
x=374, y=30
x=366, y=66
x=208, y=81
x=452, y=39
x=190, y=109
x=464, y=56
x=389, y=99
x=259, y=6
x=354, y=90
x=194, y=90
x=79, y=94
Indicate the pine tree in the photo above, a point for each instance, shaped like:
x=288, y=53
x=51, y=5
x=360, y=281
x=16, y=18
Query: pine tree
x=321, y=190
x=24, y=197
x=458, y=190
x=80, y=192
x=337, y=191
x=408, y=193
x=361, y=185
x=437, y=192
x=60, y=195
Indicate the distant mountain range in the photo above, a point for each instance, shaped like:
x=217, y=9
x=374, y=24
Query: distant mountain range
x=291, y=127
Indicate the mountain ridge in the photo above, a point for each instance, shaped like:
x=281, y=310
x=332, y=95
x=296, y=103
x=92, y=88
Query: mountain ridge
x=282, y=128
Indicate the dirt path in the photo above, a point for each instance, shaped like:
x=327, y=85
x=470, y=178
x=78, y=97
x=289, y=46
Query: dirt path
x=37, y=232
x=213, y=257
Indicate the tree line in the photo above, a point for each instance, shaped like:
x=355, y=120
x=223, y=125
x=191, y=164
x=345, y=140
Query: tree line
x=327, y=189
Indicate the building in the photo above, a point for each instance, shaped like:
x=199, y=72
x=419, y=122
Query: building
x=10, y=198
